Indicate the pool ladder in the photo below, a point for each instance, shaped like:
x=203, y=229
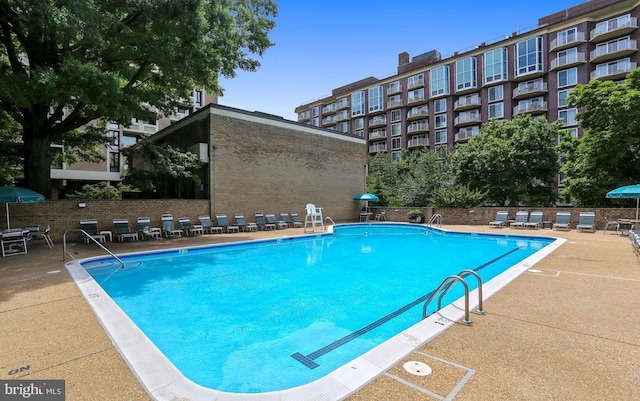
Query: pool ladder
x=447, y=284
x=89, y=237
x=435, y=219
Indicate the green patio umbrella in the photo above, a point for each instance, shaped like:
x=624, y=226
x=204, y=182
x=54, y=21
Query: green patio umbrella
x=627, y=192
x=17, y=195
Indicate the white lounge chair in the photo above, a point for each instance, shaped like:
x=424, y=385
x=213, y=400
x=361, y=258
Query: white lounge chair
x=563, y=221
x=535, y=220
x=521, y=218
x=500, y=221
x=587, y=222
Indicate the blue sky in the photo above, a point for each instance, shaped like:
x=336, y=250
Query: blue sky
x=322, y=45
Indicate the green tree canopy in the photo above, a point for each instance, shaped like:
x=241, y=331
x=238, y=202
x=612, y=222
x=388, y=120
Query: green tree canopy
x=10, y=150
x=608, y=154
x=512, y=161
x=65, y=63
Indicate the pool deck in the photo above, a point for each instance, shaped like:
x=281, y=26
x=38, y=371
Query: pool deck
x=570, y=330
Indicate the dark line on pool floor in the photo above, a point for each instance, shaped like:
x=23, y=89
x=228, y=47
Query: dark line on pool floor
x=309, y=359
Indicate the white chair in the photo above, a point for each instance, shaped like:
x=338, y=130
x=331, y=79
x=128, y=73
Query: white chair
x=13, y=242
x=37, y=235
x=313, y=218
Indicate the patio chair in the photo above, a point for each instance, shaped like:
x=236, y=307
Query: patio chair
x=37, y=235
x=123, y=231
x=521, y=218
x=189, y=228
x=500, y=221
x=145, y=229
x=262, y=224
x=587, y=221
x=241, y=222
x=563, y=221
x=14, y=242
x=535, y=220
x=168, y=227
x=208, y=227
x=296, y=219
x=613, y=224
x=271, y=219
x=285, y=217
x=90, y=228
x=382, y=216
x=223, y=222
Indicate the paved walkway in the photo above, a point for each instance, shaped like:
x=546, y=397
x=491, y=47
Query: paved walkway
x=570, y=331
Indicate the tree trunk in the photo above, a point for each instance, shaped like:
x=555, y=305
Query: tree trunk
x=37, y=161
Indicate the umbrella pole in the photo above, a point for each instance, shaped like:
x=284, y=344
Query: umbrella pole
x=8, y=226
x=637, y=205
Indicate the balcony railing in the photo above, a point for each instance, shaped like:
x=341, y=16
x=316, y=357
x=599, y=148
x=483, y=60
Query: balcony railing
x=378, y=120
x=343, y=115
x=466, y=102
x=420, y=126
x=468, y=118
x=416, y=98
x=342, y=104
x=571, y=40
x=330, y=108
x=530, y=107
x=614, y=27
x=530, y=89
x=465, y=134
x=394, y=103
x=142, y=126
x=394, y=89
x=413, y=142
x=415, y=83
x=613, y=50
x=416, y=113
x=562, y=62
x=378, y=147
x=329, y=120
x=613, y=70
x=378, y=133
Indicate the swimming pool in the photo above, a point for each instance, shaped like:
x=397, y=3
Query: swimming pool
x=307, y=331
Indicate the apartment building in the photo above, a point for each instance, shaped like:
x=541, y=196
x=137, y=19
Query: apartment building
x=67, y=178
x=434, y=101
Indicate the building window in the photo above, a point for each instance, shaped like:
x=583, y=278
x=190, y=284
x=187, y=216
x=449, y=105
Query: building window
x=566, y=37
x=197, y=97
x=396, y=156
x=415, y=81
x=568, y=116
x=128, y=140
x=396, y=129
x=358, y=123
x=376, y=99
x=567, y=56
x=357, y=104
x=496, y=110
x=343, y=102
x=394, y=87
x=114, y=139
x=495, y=93
x=440, y=81
x=415, y=95
x=56, y=157
x=343, y=126
x=562, y=97
x=495, y=65
x=466, y=73
x=441, y=136
x=114, y=162
x=315, y=112
x=440, y=106
x=441, y=121
x=529, y=56
x=567, y=77
x=396, y=115
x=359, y=133
x=396, y=143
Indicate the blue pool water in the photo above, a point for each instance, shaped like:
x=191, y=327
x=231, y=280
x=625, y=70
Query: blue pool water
x=270, y=315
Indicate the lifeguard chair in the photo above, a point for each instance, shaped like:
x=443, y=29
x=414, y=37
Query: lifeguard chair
x=313, y=218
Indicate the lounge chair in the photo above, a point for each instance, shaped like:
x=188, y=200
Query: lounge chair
x=285, y=217
x=262, y=224
x=168, y=227
x=535, y=220
x=613, y=224
x=123, y=231
x=521, y=218
x=208, y=227
x=382, y=216
x=296, y=220
x=241, y=222
x=14, y=242
x=587, y=222
x=563, y=221
x=189, y=228
x=37, y=235
x=313, y=217
x=223, y=222
x=271, y=219
x=500, y=221
x=90, y=228
x=145, y=229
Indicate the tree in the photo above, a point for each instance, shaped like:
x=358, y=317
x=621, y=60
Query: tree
x=10, y=150
x=608, y=154
x=513, y=161
x=383, y=179
x=64, y=64
x=428, y=172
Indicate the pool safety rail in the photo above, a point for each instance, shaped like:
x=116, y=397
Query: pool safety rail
x=329, y=219
x=435, y=219
x=447, y=284
x=64, y=245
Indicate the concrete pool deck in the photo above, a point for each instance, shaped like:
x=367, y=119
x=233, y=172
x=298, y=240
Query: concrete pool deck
x=569, y=332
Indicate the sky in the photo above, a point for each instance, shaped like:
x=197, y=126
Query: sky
x=323, y=45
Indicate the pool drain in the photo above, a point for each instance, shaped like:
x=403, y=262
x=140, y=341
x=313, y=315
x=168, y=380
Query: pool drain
x=417, y=368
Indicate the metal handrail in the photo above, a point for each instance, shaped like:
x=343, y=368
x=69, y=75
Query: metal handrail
x=330, y=219
x=444, y=284
x=462, y=274
x=437, y=219
x=64, y=245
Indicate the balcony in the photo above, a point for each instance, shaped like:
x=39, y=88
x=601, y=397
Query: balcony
x=531, y=89
x=377, y=121
x=467, y=103
x=613, y=51
x=329, y=120
x=343, y=115
x=613, y=28
x=418, y=127
x=566, y=62
x=328, y=109
x=469, y=118
x=418, y=142
x=415, y=83
x=571, y=41
x=378, y=109
x=392, y=104
x=613, y=71
x=418, y=112
x=531, y=108
x=416, y=99
x=394, y=89
x=342, y=104
x=465, y=134
x=378, y=133
x=142, y=126
x=303, y=117
x=378, y=147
